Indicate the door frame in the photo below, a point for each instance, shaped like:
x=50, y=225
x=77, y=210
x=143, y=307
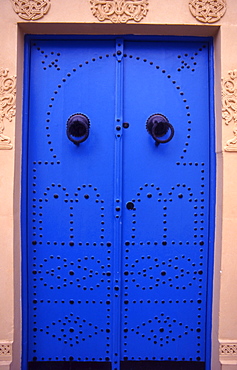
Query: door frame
x=212, y=205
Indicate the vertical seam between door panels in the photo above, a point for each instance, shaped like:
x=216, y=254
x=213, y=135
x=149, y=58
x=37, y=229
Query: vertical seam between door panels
x=118, y=180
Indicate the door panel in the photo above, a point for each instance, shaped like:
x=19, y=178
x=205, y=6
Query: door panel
x=70, y=202
x=166, y=234
x=118, y=227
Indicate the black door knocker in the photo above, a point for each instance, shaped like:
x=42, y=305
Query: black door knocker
x=159, y=127
x=78, y=127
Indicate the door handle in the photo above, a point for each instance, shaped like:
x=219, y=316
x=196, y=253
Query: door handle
x=159, y=127
x=78, y=127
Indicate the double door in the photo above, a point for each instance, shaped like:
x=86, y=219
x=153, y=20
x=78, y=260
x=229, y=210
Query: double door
x=117, y=258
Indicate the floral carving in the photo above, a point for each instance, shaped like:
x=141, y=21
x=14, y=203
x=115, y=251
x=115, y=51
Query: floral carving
x=119, y=11
x=7, y=105
x=31, y=10
x=229, y=107
x=207, y=11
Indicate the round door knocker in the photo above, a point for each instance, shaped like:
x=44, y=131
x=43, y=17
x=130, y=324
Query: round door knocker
x=78, y=127
x=159, y=128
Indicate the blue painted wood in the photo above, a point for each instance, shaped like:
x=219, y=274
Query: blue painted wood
x=212, y=203
x=105, y=282
x=118, y=203
x=70, y=202
x=165, y=273
x=24, y=210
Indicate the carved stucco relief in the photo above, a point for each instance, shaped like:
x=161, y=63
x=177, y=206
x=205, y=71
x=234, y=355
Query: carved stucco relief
x=228, y=353
x=119, y=11
x=31, y=10
x=229, y=107
x=7, y=105
x=207, y=11
x=228, y=349
x=5, y=350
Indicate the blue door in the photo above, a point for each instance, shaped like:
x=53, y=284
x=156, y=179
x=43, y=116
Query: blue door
x=118, y=192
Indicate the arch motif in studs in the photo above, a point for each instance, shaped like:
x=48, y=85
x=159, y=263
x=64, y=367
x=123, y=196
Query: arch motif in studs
x=31, y=10
x=187, y=62
x=119, y=11
x=207, y=11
